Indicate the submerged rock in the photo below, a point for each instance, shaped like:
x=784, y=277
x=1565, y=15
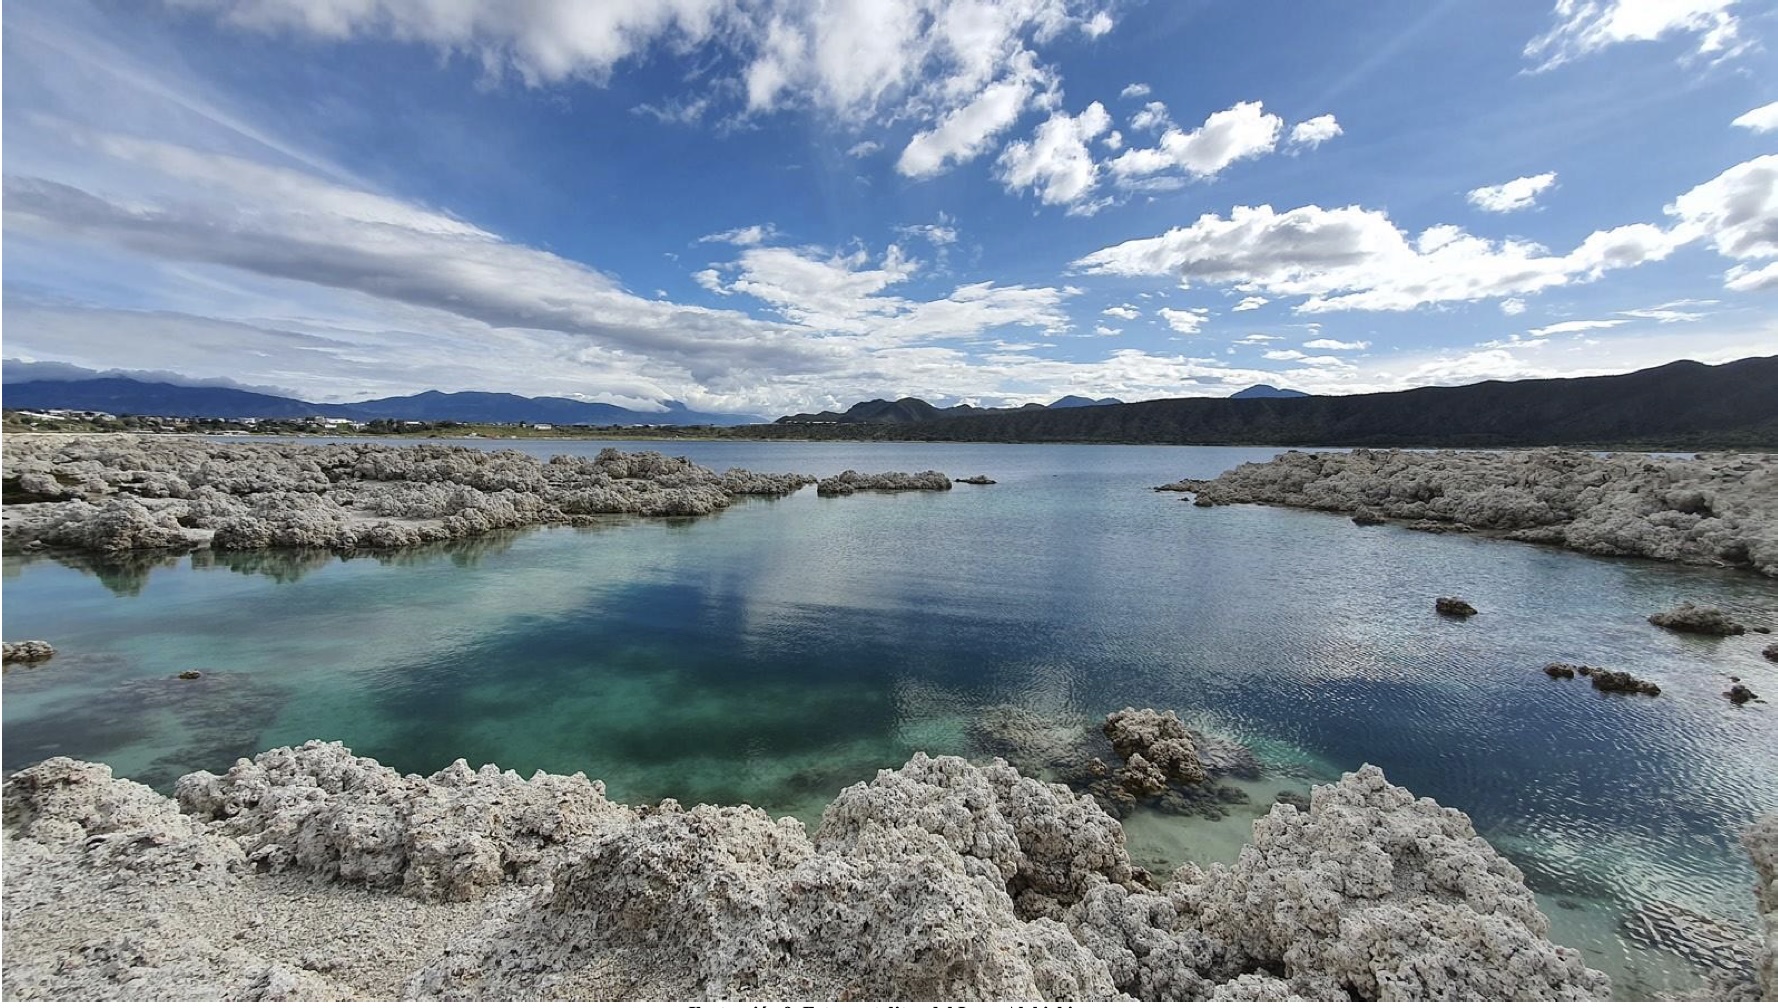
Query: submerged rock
x=1453, y=606
x=1562, y=670
x=1770, y=652
x=1689, y=618
x=26, y=652
x=1609, y=681
x=1713, y=509
x=1740, y=694
x=978, y=481
x=190, y=674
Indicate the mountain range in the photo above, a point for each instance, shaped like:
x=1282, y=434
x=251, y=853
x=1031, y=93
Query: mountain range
x=1680, y=405
x=910, y=410
x=145, y=398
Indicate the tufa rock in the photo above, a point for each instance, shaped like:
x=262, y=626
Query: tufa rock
x=1608, y=681
x=1689, y=618
x=26, y=652
x=1740, y=694
x=982, y=480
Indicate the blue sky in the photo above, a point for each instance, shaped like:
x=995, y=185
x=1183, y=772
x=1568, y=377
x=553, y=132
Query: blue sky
x=782, y=205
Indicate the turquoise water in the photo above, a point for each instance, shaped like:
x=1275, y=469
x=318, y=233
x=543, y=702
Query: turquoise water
x=782, y=649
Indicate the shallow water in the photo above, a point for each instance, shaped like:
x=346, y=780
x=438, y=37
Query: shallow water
x=782, y=649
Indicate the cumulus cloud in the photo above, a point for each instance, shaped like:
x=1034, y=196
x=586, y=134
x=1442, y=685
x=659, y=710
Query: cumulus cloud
x=1135, y=91
x=1512, y=306
x=1127, y=312
x=1357, y=258
x=1584, y=27
x=1055, y=163
x=1312, y=133
x=1518, y=194
x=1105, y=330
x=753, y=234
x=1243, y=131
x=962, y=69
x=1250, y=303
x=1760, y=120
x=1185, y=320
x=1152, y=117
x=1333, y=344
x=1747, y=279
x=966, y=132
x=863, y=149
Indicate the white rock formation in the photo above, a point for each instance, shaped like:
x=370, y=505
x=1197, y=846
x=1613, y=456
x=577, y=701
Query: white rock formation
x=1762, y=845
x=311, y=874
x=113, y=494
x=1719, y=508
x=852, y=481
x=26, y=652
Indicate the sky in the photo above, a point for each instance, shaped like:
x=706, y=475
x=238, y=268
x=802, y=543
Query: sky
x=774, y=206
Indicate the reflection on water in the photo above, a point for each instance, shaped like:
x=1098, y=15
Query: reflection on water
x=783, y=649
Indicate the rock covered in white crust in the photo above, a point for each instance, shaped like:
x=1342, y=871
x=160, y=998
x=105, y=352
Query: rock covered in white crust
x=1761, y=841
x=452, y=836
x=26, y=652
x=1375, y=894
x=1716, y=508
x=938, y=881
x=851, y=481
x=1688, y=617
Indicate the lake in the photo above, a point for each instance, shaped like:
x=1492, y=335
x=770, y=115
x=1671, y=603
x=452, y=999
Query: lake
x=775, y=652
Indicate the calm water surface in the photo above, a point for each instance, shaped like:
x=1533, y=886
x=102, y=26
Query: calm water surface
x=780, y=650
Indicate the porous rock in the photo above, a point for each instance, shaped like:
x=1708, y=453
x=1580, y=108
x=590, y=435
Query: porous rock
x=1761, y=841
x=1689, y=618
x=1740, y=694
x=1712, y=509
x=852, y=481
x=451, y=836
x=1610, y=681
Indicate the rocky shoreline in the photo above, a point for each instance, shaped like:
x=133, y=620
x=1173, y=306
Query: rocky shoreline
x=113, y=495
x=1715, y=508
x=313, y=874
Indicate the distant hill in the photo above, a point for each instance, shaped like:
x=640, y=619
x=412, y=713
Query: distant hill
x=1680, y=405
x=911, y=410
x=143, y=398
x=1267, y=392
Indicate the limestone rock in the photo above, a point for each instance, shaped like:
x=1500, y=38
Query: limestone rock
x=1714, y=508
x=1609, y=681
x=1388, y=897
x=851, y=481
x=1159, y=739
x=1770, y=652
x=1740, y=694
x=1761, y=841
x=1689, y=618
x=981, y=480
x=452, y=836
x=26, y=652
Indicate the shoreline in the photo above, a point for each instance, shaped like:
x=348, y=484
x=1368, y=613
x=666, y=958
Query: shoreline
x=313, y=874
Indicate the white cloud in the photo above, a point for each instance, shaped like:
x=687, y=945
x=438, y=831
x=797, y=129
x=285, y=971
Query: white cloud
x=1303, y=359
x=1480, y=365
x=753, y=234
x=1184, y=320
x=863, y=149
x=1333, y=344
x=940, y=234
x=1355, y=258
x=1243, y=131
x=1747, y=279
x=1152, y=117
x=1760, y=120
x=1578, y=326
x=1518, y=194
x=1105, y=330
x=1257, y=339
x=1250, y=303
x=1098, y=24
x=1665, y=313
x=1127, y=312
x=1512, y=306
x=1512, y=342
x=1056, y=163
x=1584, y=27
x=966, y=132
x=1312, y=133
x=1113, y=141
x=1135, y=91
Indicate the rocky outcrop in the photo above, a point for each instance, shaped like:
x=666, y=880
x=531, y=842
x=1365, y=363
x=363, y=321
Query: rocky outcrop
x=1563, y=670
x=118, y=494
x=1689, y=618
x=938, y=881
x=1610, y=681
x=851, y=481
x=26, y=652
x=981, y=480
x=1761, y=841
x=1740, y=694
x=452, y=836
x=1770, y=652
x=1452, y=606
x=1715, y=508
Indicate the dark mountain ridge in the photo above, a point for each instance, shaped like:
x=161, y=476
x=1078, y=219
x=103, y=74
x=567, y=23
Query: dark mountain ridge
x=143, y=398
x=1679, y=405
x=911, y=410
